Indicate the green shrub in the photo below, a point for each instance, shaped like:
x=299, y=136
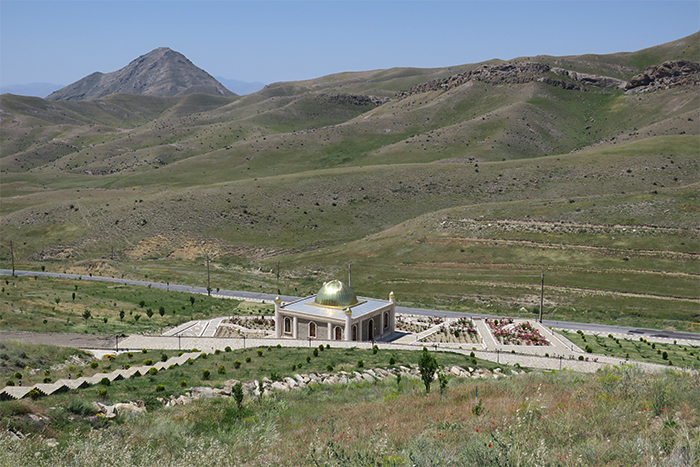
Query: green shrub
x=160, y=388
x=248, y=359
x=279, y=346
x=320, y=347
x=237, y=363
x=260, y=352
x=375, y=349
x=217, y=352
x=80, y=407
x=34, y=394
x=329, y=367
x=299, y=365
x=102, y=393
x=18, y=375
x=153, y=371
x=180, y=353
x=328, y=346
x=79, y=374
x=227, y=349
x=47, y=380
x=206, y=374
x=163, y=358
x=148, y=362
x=144, y=350
x=10, y=383
x=664, y=355
x=392, y=360
x=127, y=366
x=222, y=369
x=94, y=365
x=315, y=352
x=360, y=364
x=294, y=366
x=105, y=381
x=130, y=354
x=308, y=359
x=190, y=361
x=183, y=383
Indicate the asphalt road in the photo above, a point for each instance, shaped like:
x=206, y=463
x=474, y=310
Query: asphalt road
x=573, y=326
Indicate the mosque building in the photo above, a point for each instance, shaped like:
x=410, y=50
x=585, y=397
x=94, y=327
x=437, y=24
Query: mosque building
x=336, y=313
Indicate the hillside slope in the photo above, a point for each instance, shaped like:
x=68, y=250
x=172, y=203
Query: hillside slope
x=310, y=173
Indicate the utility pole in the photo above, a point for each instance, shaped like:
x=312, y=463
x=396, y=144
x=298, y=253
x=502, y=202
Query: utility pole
x=208, y=280
x=350, y=273
x=278, y=276
x=12, y=254
x=541, y=296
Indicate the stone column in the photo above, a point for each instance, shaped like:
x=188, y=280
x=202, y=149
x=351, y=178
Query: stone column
x=348, y=327
x=278, y=318
x=295, y=324
x=330, y=331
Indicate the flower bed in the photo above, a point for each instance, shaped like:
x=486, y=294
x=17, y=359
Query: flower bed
x=252, y=326
x=461, y=331
x=416, y=324
x=508, y=333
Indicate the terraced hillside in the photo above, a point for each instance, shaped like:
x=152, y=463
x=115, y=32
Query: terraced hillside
x=586, y=168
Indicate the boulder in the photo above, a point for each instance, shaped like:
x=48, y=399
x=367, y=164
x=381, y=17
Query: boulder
x=202, y=392
x=279, y=386
x=128, y=409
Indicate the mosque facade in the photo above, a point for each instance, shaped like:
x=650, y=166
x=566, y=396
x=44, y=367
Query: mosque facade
x=336, y=313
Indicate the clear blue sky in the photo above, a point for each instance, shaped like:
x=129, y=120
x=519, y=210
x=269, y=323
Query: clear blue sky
x=62, y=41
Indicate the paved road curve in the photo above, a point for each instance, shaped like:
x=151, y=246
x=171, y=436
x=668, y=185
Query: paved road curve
x=602, y=328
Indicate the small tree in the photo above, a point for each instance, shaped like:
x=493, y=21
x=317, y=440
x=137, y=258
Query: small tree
x=428, y=365
x=149, y=312
x=87, y=315
x=142, y=303
x=161, y=311
x=192, y=300
x=237, y=392
x=442, y=379
x=136, y=317
x=121, y=315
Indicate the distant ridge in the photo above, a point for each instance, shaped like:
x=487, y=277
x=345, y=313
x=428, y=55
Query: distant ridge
x=161, y=72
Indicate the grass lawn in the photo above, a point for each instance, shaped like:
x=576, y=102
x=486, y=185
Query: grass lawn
x=684, y=356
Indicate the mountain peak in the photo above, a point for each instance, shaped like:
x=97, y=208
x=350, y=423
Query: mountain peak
x=161, y=72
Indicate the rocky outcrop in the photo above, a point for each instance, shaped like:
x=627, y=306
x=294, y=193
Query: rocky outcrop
x=357, y=99
x=517, y=73
x=667, y=75
x=590, y=79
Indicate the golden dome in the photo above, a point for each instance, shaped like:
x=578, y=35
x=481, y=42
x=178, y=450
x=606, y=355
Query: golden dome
x=336, y=294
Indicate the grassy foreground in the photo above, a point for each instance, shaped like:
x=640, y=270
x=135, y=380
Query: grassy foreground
x=615, y=417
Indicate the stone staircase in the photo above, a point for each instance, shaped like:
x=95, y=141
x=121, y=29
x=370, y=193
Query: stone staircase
x=62, y=385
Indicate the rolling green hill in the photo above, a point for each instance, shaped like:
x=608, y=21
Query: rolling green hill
x=400, y=171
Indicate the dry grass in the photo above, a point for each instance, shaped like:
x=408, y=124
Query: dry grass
x=615, y=417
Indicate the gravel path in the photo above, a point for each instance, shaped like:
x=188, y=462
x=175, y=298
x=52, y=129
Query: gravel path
x=79, y=341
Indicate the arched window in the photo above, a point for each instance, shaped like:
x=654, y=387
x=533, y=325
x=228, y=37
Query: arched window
x=386, y=320
x=312, y=329
x=338, y=333
x=287, y=325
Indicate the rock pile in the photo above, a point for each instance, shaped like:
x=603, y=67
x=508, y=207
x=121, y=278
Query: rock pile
x=299, y=381
x=667, y=75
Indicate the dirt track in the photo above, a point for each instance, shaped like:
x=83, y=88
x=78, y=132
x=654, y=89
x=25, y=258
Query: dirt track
x=80, y=341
